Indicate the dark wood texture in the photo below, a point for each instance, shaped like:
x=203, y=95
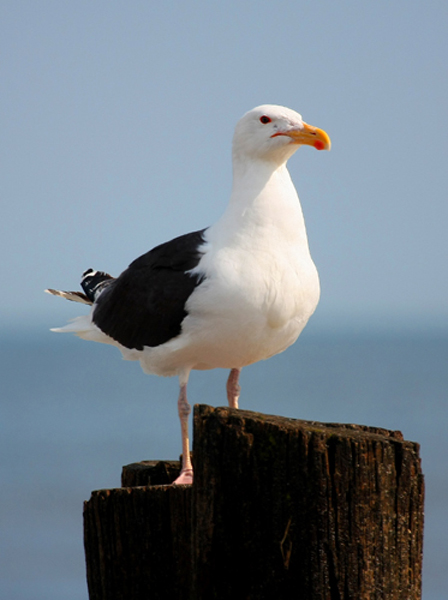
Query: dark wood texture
x=150, y=472
x=280, y=508
x=293, y=509
x=138, y=543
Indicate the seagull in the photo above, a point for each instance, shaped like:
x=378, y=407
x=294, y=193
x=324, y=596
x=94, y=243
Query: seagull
x=226, y=296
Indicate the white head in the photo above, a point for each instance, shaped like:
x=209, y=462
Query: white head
x=273, y=133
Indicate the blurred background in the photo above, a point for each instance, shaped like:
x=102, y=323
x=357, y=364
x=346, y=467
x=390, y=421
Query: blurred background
x=117, y=122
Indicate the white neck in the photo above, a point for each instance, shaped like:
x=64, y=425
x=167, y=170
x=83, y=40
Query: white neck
x=263, y=204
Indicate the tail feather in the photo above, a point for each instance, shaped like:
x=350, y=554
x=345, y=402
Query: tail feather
x=74, y=296
x=94, y=282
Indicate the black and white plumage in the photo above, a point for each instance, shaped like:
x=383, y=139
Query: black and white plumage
x=227, y=296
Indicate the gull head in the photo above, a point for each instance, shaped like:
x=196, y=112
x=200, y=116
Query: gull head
x=273, y=133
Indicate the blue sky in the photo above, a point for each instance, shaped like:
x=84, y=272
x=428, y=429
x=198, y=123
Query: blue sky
x=117, y=120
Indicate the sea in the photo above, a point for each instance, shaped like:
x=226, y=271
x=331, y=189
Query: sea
x=72, y=413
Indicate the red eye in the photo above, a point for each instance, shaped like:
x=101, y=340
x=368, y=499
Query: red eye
x=264, y=119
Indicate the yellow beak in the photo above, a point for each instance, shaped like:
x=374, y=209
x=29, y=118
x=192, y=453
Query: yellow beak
x=311, y=136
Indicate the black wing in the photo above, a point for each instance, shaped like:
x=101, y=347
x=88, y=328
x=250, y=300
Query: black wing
x=145, y=305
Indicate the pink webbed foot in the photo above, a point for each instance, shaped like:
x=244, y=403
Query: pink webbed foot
x=185, y=477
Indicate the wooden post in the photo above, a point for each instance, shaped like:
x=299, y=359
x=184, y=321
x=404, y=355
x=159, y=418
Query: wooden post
x=138, y=539
x=280, y=508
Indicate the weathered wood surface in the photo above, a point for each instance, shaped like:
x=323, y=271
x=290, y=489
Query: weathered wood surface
x=280, y=508
x=293, y=509
x=150, y=472
x=138, y=539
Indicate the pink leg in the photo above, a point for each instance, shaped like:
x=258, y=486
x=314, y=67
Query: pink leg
x=186, y=473
x=233, y=388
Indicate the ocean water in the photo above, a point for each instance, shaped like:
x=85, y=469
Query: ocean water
x=72, y=413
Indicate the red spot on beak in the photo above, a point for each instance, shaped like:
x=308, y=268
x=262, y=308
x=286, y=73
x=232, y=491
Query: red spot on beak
x=319, y=145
